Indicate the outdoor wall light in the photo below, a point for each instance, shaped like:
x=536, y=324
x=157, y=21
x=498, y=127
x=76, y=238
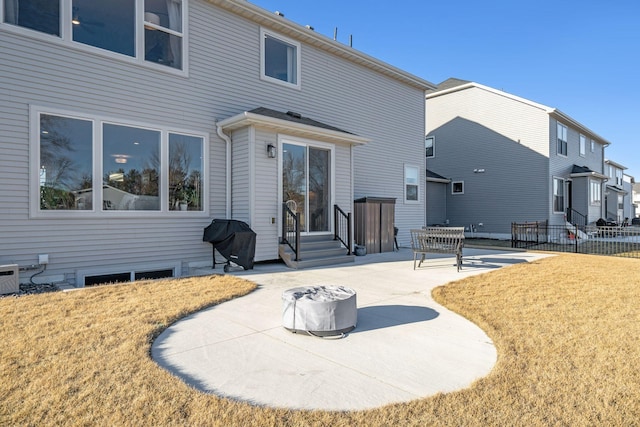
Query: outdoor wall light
x=271, y=151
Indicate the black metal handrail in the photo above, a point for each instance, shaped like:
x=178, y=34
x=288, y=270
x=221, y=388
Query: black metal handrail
x=291, y=230
x=576, y=218
x=342, y=226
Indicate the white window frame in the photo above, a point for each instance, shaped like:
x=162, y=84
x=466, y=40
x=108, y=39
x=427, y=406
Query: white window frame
x=66, y=37
x=263, y=35
x=433, y=146
x=583, y=145
x=561, y=183
x=595, y=193
x=453, y=186
x=562, y=143
x=97, y=167
x=593, y=146
x=416, y=170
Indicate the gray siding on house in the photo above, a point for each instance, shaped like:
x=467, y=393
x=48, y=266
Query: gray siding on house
x=560, y=166
x=502, y=162
x=223, y=80
x=437, y=202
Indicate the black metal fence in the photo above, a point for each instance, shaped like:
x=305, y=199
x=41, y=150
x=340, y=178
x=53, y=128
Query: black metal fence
x=539, y=235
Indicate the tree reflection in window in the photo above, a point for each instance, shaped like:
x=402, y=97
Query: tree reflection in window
x=65, y=163
x=185, y=172
x=131, y=164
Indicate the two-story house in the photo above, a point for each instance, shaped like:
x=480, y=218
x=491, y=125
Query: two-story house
x=128, y=125
x=618, y=199
x=503, y=159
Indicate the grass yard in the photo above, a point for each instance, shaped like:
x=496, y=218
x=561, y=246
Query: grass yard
x=567, y=330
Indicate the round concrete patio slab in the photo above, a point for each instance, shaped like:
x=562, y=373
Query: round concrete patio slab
x=405, y=345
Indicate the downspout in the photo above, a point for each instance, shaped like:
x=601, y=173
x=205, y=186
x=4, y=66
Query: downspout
x=227, y=140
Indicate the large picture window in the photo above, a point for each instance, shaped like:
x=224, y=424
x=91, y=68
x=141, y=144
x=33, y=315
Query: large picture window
x=145, y=30
x=130, y=162
x=280, y=59
x=65, y=168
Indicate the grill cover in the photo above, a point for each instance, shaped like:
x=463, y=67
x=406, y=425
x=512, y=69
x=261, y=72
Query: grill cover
x=233, y=239
x=320, y=310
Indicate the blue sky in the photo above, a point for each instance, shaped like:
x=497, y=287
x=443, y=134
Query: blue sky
x=580, y=56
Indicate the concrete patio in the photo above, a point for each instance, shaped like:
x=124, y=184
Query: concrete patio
x=404, y=347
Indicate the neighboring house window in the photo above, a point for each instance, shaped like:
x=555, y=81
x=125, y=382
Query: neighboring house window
x=457, y=187
x=562, y=139
x=411, y=183
x=583, y=145
x=593, y=146
x=620, y=201
x=280, y=59
x=38, y=15
x=595, y=193
x=430, y=146
x=558, y=195
x=134, y=175
x=110, y=26
x=619, y=177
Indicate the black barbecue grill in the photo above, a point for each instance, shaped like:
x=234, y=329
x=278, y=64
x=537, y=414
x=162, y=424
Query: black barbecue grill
x=234, y=240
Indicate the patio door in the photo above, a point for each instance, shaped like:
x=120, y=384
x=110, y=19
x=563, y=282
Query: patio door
x=306, y=180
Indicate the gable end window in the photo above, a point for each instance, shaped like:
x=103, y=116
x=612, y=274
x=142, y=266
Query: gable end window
x=430, y=146
x=142, y=30
x=279, y=59
x=562, y=139
x=457, y=187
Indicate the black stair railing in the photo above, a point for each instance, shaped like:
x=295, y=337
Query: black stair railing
x=291, y=230
x=342, y=227
x=577, y=219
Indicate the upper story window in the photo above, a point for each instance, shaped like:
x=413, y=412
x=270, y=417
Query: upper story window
x=411, y=183
x=38, y=15
x=146, y=30
x=593, y=146
x=136, y=168
x=619, y=177
x=430, y=146
x=583, y=145
x=562, y=139
x=279, y=59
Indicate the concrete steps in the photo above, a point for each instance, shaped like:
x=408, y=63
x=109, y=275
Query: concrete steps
x=316, y=251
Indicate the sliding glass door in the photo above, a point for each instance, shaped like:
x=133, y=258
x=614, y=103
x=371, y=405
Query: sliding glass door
x=306, y=184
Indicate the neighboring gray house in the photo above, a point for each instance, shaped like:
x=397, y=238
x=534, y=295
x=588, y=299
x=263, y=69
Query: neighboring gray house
x=510, y=159
x=618, y=199
x=128, y=125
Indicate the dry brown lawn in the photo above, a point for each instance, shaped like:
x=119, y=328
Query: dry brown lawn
x=567, y=330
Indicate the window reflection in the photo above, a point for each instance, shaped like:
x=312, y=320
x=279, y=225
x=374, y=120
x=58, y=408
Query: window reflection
x=38, y=15
x=65, y=163
x=163, y=32
x=131, y=165
x=185, y=172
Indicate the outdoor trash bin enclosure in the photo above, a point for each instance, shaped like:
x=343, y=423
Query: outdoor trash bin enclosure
x=320, y=310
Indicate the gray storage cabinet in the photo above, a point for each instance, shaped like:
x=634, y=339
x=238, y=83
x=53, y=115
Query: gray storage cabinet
x=373, y=223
